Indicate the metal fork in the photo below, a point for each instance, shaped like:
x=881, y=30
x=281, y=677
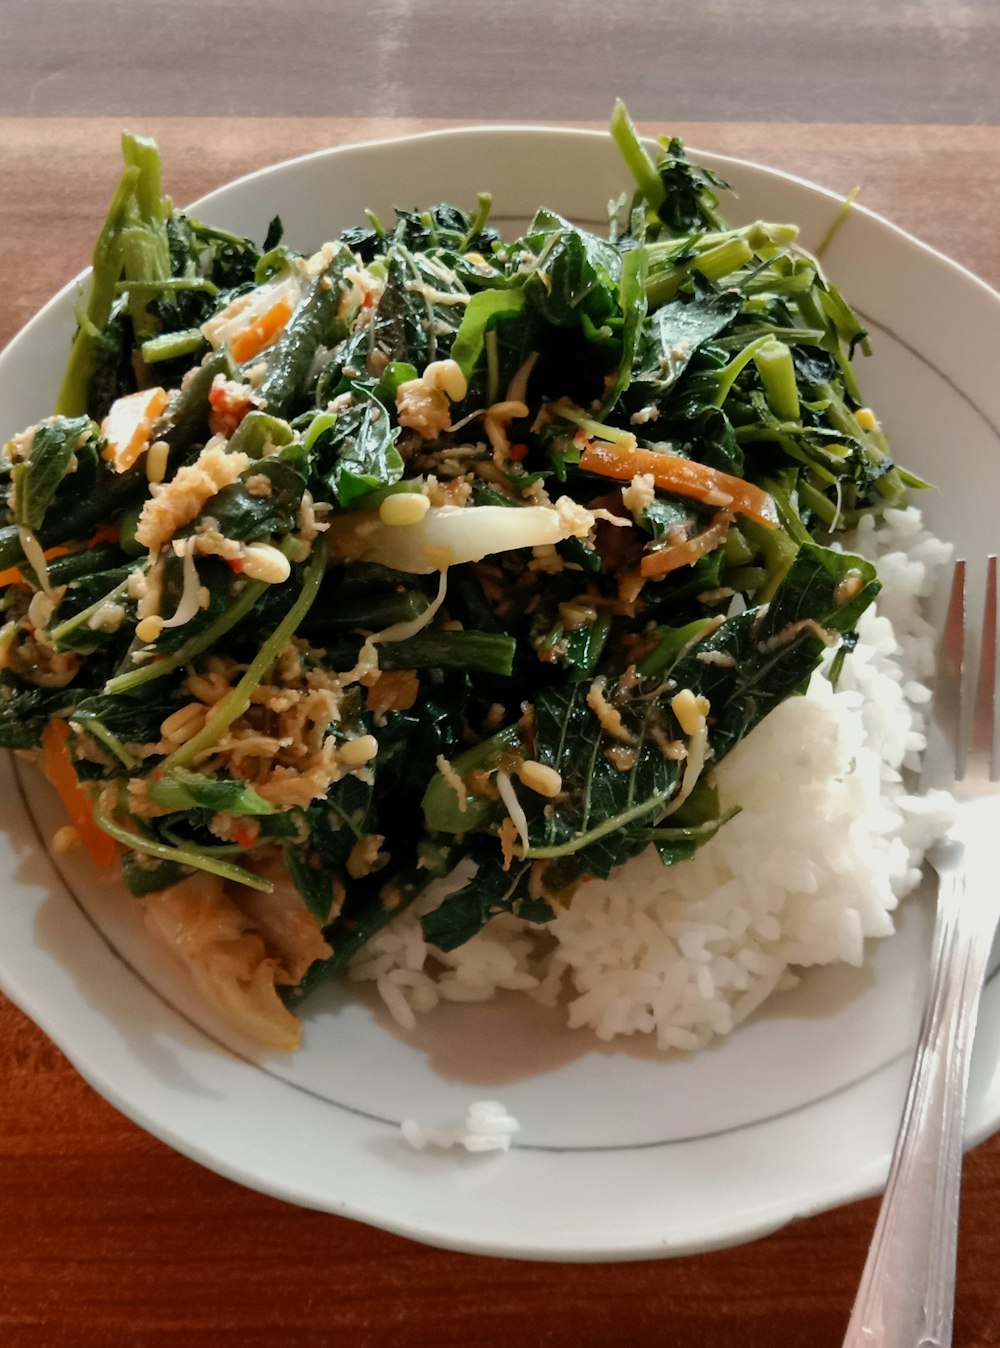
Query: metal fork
x=907, y=1294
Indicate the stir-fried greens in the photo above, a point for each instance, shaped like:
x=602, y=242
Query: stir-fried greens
x=428, y=547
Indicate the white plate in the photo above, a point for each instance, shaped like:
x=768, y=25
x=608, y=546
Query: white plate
x=621, y=1154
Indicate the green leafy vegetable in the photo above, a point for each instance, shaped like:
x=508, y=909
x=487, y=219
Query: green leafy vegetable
x=493, y=890
x=180, y=789
x=245, y=689
x=37, y=477
x=357, y=455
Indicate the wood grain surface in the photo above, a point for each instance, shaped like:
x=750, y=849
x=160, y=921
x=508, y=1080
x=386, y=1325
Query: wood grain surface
x=107, y=1237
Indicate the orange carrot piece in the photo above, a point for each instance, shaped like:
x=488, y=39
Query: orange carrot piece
x=13, y=575
x=128, y=426
x=254, y=338
x=107, y=533
x=657, y=564
x=59, y=770
x=682, y=476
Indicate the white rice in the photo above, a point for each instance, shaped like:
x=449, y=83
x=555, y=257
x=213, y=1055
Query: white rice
x=487, y=1127
x=827, y=842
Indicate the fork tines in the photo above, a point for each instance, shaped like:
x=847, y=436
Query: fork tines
x=962, y=739
x=983, y=745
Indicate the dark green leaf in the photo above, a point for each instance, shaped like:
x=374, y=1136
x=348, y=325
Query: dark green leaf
x=357, y=454
x=483, y=310
x=602, y=807
x=243, y=515
x=133, y=720
x=341, y=819
x=689, y=197
x=492, y=890
x=774, y=652
x=576, y=274
x=26, y=711
x=37, y=477
x=671, y=336
x=316, y=883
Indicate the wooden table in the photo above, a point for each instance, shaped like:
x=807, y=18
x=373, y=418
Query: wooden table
x=106, y=1236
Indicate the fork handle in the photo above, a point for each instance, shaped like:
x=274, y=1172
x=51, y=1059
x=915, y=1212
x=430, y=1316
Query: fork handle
x=907, y=1294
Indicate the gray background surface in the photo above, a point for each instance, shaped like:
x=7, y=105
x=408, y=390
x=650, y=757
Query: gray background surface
x=890, y=61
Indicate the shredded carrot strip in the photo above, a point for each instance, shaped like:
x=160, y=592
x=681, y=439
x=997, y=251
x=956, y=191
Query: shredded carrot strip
x=59, y=770
x=254, y=338
x=108, y=533
x=128, y=426
x=13, y=575
x=684, y=477
x=657, y=564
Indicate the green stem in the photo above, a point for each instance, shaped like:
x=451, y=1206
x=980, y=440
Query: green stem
x=485, y=652
x=777, y=373
x=768, y=284
x=843, y=211
x=639, y=163
x=582, y=840
x=81, y=619
x=820, y=505
x=135, y=678
x=481, y=218
x=732, y=251
x=106, y=269
x=723, y=260
x=290, y=357
x=731, y=372
x=778, y=551
x=170, y=345
x=598, y=430
x=891, y=486
x=145, y=249
x=170, y=284
x=110, y=741
x=181, y=856
x=696, y=833
x=791, y=336
x=236, y=703
x=141, y=153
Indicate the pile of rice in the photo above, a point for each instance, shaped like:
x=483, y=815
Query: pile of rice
x=827, y=842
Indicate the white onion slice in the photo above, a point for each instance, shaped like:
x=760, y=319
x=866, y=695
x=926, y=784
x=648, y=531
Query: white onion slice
x=248, y=308
x=446, y=536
